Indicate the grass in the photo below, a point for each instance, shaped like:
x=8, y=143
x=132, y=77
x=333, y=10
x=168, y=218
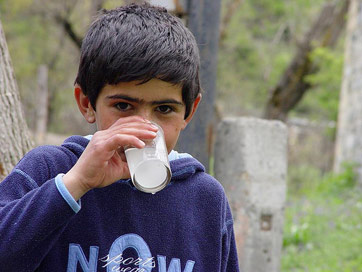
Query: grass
x=323, y=223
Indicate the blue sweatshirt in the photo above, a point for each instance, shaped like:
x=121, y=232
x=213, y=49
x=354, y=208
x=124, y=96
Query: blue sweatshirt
x=185, y=227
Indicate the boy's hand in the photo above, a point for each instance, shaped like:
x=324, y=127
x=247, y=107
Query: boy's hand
x=103, y=162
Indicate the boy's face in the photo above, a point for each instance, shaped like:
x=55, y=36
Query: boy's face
x=155, y=100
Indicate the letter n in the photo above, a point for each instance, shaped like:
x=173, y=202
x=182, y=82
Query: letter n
x=175, y=265
x=76, y=255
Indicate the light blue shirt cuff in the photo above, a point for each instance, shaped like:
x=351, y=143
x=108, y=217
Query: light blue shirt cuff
x=174, y=155
x=65, y=194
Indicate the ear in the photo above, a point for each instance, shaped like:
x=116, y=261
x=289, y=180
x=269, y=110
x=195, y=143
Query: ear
x=193, y=110
x=84, y=104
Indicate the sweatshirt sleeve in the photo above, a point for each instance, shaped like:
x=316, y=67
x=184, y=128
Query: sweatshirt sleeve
x=33, y=212
x=229, y=253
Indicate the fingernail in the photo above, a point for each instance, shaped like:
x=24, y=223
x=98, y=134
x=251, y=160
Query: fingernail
x=154, y=125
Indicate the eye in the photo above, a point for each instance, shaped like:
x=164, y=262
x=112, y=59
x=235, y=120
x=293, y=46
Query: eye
x=122, y=106
x=164, y=109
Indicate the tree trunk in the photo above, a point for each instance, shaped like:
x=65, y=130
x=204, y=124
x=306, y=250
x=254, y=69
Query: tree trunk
x=14, y=133
x=42, y=106
x=349, y=131
x=292, y=86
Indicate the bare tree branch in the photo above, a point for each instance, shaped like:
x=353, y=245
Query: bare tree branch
x=97, y=5
x=225, y=21
x=67, y=25
x=68, y=28
x=292, y=85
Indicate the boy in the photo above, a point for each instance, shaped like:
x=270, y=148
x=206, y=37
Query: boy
x=73, y=207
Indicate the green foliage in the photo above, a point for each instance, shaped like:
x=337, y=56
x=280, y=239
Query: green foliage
x=28, y=42
x=15, y=7
x=253, y=54
x=322, y=100
x=302, y=177
x=298, y=235
x=335, y=183
x=306, y=180
x=260, y=42
x=323, y=222
x=34, y=38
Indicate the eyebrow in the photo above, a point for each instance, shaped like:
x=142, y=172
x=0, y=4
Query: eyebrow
x=139, y=101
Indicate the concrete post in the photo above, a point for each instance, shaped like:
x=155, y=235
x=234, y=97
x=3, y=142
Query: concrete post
x=349, y=129
x=251, y=164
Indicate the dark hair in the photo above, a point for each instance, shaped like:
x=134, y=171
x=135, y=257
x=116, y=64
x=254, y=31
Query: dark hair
x=139, y=42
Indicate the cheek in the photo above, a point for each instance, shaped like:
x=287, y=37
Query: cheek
x=171, y=136
x=105, y=121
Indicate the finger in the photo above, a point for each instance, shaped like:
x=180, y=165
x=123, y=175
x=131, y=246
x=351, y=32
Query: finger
x=139, y=133
x=134, y=121
x=126, y=136
x=120, y=140
x=140, y=130
x=131, y=119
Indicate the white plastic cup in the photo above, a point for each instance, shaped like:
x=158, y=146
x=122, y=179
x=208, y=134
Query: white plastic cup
x=149, y=166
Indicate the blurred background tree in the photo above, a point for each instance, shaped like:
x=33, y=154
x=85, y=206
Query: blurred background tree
x=258, y=41
x=15, y=140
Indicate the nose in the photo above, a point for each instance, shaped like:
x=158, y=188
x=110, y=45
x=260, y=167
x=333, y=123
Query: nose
x=145, y=114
